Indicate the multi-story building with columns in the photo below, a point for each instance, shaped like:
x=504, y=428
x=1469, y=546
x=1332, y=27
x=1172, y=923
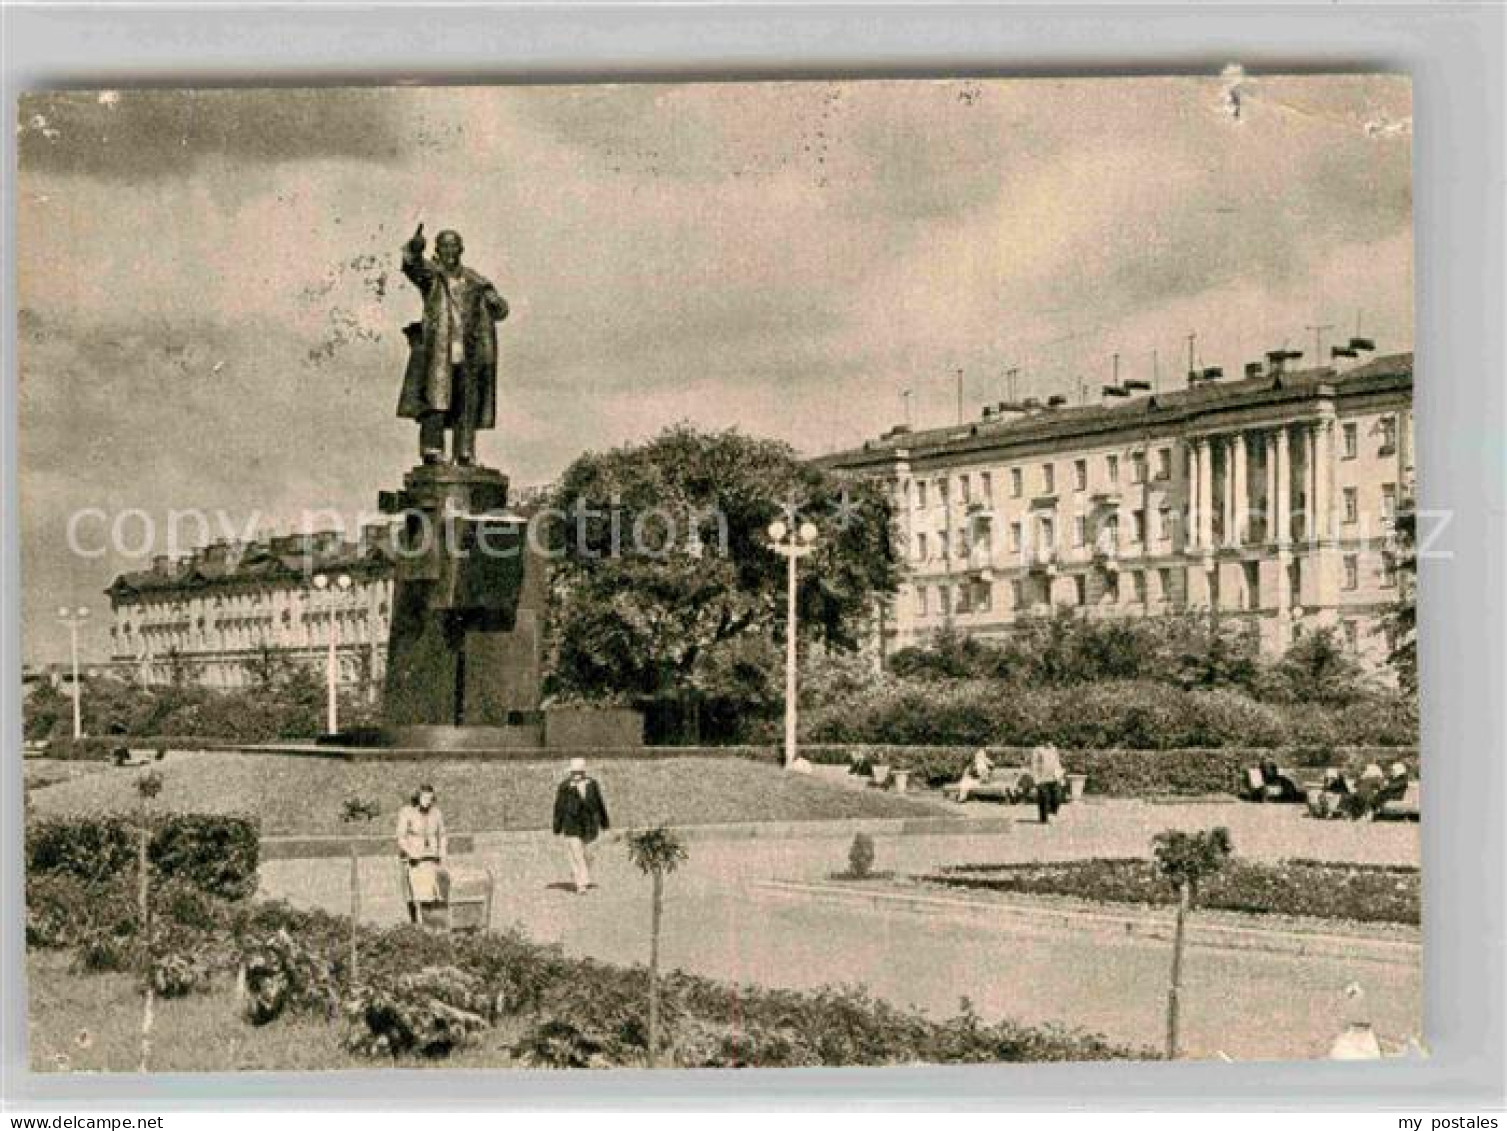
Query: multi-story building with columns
x=214, y=615
x=1268, y=498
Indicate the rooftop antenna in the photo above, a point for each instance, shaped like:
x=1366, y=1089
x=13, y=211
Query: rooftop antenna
x=1318, y=339
x=960, y=395
x=905, y=395
x=1156, y=371
x=1011, y=376
x=1358, y=342
x=1192, y=348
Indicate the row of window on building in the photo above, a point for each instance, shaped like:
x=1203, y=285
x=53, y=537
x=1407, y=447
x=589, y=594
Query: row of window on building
x=941, y=544
x=250, y=631
x=979, y=486
x=974, y=595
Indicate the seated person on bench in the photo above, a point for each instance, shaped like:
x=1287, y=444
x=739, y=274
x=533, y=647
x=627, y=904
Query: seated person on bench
x=1277, y=786
x=1396, y=786
x=1363, y=802
x=1325, y=801
x=977, y=774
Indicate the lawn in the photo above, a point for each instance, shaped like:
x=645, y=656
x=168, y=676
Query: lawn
x=39, y=773
x=302, y=795
x=1371, y=893
x=92, y=1023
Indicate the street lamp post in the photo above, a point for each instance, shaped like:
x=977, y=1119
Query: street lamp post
x=73, y=618
x=335, y=586
x=790, y=544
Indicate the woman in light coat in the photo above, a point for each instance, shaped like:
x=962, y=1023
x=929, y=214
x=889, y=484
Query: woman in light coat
x=421, y=849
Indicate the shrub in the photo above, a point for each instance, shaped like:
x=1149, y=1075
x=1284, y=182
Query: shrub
x=280, y=974
x=179, y=965
x=706, y=1044
x=557, y=1043
x=1318, y=669
x=1140, y=714
x=431, y=1012
x=861, y=855
x=218, y=854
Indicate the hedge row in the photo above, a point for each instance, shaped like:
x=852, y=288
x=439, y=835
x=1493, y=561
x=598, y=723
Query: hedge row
x=1137, y=715
x=102, y=747
x=216, y=854
x=1318, y=889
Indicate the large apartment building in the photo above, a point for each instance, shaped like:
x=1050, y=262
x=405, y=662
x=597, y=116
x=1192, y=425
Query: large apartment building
x=213, y=615
x=1268, y=498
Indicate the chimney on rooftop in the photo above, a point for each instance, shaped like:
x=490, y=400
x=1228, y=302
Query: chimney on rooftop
x=1276, y=360
x=1004, y=410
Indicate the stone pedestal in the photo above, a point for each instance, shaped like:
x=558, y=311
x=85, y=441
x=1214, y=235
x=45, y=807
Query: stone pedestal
x=468, y=606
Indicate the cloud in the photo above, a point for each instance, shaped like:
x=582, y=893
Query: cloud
x=154, y=134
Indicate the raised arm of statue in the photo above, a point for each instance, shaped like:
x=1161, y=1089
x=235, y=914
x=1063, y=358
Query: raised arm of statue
x=415, y=266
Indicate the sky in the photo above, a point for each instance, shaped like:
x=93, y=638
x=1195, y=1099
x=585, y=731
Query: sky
x=211, y=311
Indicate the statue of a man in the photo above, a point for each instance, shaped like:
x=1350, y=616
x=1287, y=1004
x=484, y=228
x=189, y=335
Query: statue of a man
x=451, y=380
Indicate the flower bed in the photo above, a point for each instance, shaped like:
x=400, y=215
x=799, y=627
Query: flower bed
x=1370, y=893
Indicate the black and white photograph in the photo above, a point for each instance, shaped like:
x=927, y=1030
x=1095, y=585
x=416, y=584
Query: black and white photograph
x=719, y=574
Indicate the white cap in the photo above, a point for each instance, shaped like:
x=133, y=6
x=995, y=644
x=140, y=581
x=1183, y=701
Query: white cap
x=578, y=765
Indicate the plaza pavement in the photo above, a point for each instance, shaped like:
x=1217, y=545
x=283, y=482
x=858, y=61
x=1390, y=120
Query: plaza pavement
x=724, y=920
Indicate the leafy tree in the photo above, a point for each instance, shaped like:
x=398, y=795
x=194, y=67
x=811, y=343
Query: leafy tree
x=1318, y=669
x=832, y=675
x=666, y=574
x=954, y=654
x=1069, y=647
x=656, y=852
x=1209, y=652
x=44, y=707
x=1401, y=620
x=1185, y=860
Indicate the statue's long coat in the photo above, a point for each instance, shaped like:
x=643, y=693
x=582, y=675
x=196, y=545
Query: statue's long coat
x=427, y=381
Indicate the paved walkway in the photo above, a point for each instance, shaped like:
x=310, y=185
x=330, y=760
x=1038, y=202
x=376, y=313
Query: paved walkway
x=721, y=922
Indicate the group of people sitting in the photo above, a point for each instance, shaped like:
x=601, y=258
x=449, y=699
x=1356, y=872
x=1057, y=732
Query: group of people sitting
x=1363, y=798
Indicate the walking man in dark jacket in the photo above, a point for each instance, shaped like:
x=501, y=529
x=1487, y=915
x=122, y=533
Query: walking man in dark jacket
x=580, y=817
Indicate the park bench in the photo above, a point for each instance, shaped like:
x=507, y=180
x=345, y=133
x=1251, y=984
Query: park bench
x=1274, y=784
x=1007, y=784
x=1408, y=807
